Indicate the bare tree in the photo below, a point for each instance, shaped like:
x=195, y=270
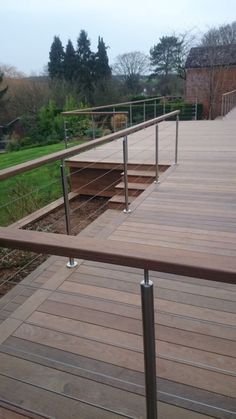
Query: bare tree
x=131, y=66
x=10, y=71
x=25, y=95
x=219, y=48
x=221, y=35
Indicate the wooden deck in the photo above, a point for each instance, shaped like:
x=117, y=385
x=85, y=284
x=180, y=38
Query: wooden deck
x=71, y=340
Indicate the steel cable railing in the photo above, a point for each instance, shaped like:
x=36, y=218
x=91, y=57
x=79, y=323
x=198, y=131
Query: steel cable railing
x=145, y=257
x=120, y=166
x=228, y=102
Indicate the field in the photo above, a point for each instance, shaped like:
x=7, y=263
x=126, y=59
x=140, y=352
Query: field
x=27, y=192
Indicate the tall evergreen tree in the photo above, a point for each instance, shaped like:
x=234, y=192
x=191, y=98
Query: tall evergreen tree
x=102, y=68
x=69, y=62
x=166, y=59
x=56, y=59
x=166, y=55
x=85, y=65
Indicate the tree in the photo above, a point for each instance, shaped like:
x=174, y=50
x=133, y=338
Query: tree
x=131, y=66
x=4, y=90
x=49, y=123
x=85, y=65
x=11, y=72
x=69, y=62
x=222, y=35
x=56, y=59
x=102, y=68
x=166, y=60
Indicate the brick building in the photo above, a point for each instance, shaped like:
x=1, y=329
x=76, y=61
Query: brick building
x=210, y=72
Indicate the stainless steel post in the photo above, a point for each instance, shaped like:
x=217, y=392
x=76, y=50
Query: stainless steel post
x=222, y=106
x=125, y=158
x=114, y=120
x=164, y=105
x=130, y=115
x=65, y=134
x=156, y=153
x=195, y=116
x=149, y=346
x=72, y=263
x=155, y=109
x=176, y=138
x=144, y=111
x=93, y=125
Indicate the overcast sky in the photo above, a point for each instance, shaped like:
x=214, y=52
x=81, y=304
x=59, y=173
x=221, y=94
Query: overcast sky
x=27, y=27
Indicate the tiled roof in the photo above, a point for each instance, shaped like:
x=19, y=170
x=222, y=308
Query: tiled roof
x=223, y=55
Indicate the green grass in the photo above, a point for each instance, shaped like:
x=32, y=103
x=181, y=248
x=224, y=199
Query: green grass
x=17, y=157
x=24, y=193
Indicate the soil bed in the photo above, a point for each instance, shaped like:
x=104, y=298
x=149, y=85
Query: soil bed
x=16, y=264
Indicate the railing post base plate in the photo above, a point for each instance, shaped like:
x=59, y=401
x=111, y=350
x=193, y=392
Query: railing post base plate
x=127, y=211
x=71, y=264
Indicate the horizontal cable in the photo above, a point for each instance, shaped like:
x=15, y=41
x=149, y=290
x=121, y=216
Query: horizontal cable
x=9, y=280
x=37, y=189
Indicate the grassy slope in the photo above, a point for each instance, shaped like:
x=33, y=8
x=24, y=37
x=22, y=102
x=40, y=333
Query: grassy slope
x=32, y=189
x=16, y=157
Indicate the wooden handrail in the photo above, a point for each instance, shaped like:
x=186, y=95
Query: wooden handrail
x=113, y=105
x=116, y=105
x=33, y=164
x=156, y=258
x=99, y=113
x=229, y=93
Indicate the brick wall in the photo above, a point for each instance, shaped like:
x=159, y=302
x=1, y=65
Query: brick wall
x=208, y=85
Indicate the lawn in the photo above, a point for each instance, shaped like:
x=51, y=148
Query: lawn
x=23, y=194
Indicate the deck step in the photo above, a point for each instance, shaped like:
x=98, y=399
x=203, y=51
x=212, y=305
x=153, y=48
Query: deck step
x=118, y=202
x=134, y=189
x=140, y=176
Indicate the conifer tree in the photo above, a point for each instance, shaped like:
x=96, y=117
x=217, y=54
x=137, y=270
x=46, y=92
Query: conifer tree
x=56, y=59
x=85, y=65
x=69, y=62
x=167, y=59
x=102, y=69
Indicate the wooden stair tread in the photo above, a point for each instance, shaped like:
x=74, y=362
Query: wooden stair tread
x=121, y=199
x=141, y=173
x=133, y=185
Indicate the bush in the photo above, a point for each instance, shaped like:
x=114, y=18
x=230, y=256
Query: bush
x=77, y=125
x=13, y=145
x=49, y=123
x=97, y=131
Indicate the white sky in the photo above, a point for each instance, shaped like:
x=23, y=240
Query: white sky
x=27, y=27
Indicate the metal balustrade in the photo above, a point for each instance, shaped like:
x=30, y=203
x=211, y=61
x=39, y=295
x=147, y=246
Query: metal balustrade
x=228, y=102
x=23, y=239
x=214, y=267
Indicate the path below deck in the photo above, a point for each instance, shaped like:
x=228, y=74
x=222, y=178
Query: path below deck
x=71, y=340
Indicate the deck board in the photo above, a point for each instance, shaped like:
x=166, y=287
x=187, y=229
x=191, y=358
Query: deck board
x=77, y=352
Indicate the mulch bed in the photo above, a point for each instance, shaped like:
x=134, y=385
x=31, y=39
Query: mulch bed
x=16, y=264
